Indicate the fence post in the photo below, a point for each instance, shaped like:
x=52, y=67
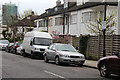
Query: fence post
x=98, y=46
x=87, y=52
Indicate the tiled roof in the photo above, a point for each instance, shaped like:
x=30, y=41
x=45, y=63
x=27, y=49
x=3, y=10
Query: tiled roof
x=27, y=21
x=75, y=8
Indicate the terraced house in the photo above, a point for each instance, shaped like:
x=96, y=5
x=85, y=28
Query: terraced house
x=73, y=16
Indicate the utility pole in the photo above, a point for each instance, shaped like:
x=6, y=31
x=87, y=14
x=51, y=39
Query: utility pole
x=104, y=30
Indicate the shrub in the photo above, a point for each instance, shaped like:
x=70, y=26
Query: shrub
x=83, y=44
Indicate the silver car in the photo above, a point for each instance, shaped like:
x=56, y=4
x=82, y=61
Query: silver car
x=63, y=53
x=3, y=44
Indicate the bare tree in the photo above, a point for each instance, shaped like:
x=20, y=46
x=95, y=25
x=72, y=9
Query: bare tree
x=96, y=27
x=27, y=13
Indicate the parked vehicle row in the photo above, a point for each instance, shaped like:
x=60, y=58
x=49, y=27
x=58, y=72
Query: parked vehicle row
x=39, y=44
x=12, y=47
x=9, y=47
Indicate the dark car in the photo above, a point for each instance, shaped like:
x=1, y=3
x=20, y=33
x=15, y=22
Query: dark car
x=8, y=47
x=14, y=48
x=109, y=65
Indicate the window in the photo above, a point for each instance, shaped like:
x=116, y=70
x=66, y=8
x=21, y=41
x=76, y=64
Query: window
x=35, y=23
x=66, y=20
x=42, y=23
x=89, y=16
x=65, y=4
x=74, y=19
x=50, y=47
x=101, y=14
x=56, y=9
x=59, y=21
x=42, y=41
x=50, y=22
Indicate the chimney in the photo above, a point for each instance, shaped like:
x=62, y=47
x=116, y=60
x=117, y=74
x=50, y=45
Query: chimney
x=32, y=13
x=58, y=3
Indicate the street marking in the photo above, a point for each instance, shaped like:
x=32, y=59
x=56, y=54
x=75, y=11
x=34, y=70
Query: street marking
x=75, y=70
x=54, y=74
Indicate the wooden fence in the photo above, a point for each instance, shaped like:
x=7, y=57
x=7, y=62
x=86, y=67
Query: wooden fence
x=95, y=46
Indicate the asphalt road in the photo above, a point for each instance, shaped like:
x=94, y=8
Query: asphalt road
x=16, y=66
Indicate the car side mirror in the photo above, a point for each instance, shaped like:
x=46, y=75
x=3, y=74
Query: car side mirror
x=31, y=43
x=48, y=48
x=54, y=49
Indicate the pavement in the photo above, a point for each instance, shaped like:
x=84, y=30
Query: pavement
x=91, y=63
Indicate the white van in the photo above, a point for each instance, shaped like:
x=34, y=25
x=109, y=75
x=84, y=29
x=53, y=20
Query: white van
x=35, y=43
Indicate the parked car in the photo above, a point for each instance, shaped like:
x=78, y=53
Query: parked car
x=8, y=47
x=15, y=46
x=109, y=65
x=19, y=49
x=3, y=44
x=35, y=43
x=63, y=53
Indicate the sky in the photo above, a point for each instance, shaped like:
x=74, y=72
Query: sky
x=38, y=6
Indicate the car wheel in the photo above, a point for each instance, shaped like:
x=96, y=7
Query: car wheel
x=5, y=50
x=104, y=72
x=32, y=55
x=46, y=59
x=57, y=61
x=14, y=52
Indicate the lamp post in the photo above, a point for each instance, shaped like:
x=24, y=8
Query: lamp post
x=104, y=30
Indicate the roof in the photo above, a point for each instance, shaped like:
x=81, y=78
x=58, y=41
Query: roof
x=52, y=13
x=27, y=21
x=74, y=8
x=91, y=4
x=38, y=34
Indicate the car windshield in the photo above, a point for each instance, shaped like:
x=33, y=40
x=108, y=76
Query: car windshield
x=66, y=47
x=4, y=41
x=11, y=44
x=42, y=41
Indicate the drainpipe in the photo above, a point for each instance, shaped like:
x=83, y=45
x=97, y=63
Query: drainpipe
x=68, y=24
x=63, y=23
x=47, y=24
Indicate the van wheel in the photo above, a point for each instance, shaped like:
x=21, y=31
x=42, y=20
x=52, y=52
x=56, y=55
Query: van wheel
x=104, y=72
x=32, y=55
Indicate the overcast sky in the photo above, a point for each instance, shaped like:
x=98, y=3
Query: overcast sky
x=38, y=6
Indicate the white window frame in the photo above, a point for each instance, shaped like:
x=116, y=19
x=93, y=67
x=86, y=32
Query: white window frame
x=73, y=19
x=50, y=22
x=88, y=16
x=59, y=21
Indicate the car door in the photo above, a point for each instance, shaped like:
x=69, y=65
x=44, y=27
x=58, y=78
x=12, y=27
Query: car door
x=114, y=65
x=48, y=51
x=53, y=52
x=118, y=65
